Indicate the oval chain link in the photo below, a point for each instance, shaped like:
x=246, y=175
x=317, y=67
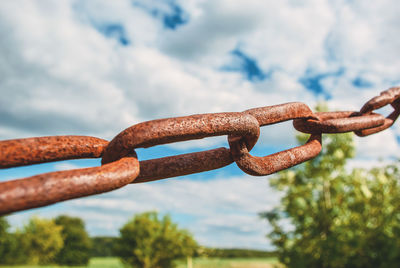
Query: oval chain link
x=338, y=122
x=53, y=187
x=390, y=96
x=169, y=130
x=21, y=152
x=261, y=166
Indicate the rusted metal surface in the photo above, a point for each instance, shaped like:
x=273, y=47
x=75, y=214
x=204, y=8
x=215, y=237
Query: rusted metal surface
x=386, y=97
x=170, y=130
x=121, y=167
x=29, y=151
x=185, y=164
x=49, y=188
x=338, y=122
x=389, y=121
x=390, y=96
x=279, y=113
x=260, y=166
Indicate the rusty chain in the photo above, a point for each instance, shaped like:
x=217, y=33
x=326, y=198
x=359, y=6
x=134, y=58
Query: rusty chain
x=120, y=165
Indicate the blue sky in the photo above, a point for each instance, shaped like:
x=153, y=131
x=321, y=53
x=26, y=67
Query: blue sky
x=98, y=67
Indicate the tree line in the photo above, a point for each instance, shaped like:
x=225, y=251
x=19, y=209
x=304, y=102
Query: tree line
x=147, y=240
x=105, y=246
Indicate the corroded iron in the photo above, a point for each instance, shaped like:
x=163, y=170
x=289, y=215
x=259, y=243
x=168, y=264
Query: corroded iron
x=171, y=130
x=50, y=188
x=184, y=164
x=21, y=152
x=279, y=113
x=390, y=96
x=338, y=122
x=260, y=166
x=386, y=97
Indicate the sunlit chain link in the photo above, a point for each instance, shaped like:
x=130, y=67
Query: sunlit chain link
x=390, y=96
x=338, y=122
x=259, y=166
x=363, y=123
x=49, y=188
x=120, y=165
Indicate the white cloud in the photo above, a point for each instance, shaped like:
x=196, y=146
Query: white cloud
x=379, y=145
x=367, y=163
x=65, y=166
x=243, y=194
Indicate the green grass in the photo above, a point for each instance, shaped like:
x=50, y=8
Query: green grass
x=231, y=263
x=94, y=263
x=197, y=263
x=105, y=263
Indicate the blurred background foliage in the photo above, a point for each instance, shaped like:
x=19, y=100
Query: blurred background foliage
x=40, y=240
x=150, y=241
x=77, y=243
x=333, y=216
x=147, y=236
x=63, y=240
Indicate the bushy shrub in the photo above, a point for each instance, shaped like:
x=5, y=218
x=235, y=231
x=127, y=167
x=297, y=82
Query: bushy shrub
x=147, y=241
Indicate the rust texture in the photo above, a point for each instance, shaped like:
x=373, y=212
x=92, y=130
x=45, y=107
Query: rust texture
x=388, y=122
x=386, y=97
x=185, y=164
x=170, y=130
x=390, y=96
x=120, y=165
x=260, y=166
x=279, y=113
x=338, y=122
x=29, y=151
x=49, y=188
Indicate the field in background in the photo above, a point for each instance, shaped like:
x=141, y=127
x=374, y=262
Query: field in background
x=197, y=263
x=233, y=263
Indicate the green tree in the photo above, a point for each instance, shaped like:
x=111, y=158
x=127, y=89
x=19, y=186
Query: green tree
x=8, y=244
x=77, y=243
x=150, y=242
x=333, y=217
x=104, y=246
x=4, y=240
x=10, y=250
x=41, y=240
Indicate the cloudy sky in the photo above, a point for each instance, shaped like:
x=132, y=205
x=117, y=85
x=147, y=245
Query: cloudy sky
x=98, y=67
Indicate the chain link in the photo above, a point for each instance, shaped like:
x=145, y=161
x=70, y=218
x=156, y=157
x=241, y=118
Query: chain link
x=338, y=122
x=21, y=152
x=120, y=165
x=261, y=166
x=390, y=96
x=50, y=188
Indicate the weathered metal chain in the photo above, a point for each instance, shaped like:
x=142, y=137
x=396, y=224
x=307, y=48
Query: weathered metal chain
x=120, y=165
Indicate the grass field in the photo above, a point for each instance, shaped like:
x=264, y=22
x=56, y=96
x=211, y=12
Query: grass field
x=232, y=263
x=197, y=263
